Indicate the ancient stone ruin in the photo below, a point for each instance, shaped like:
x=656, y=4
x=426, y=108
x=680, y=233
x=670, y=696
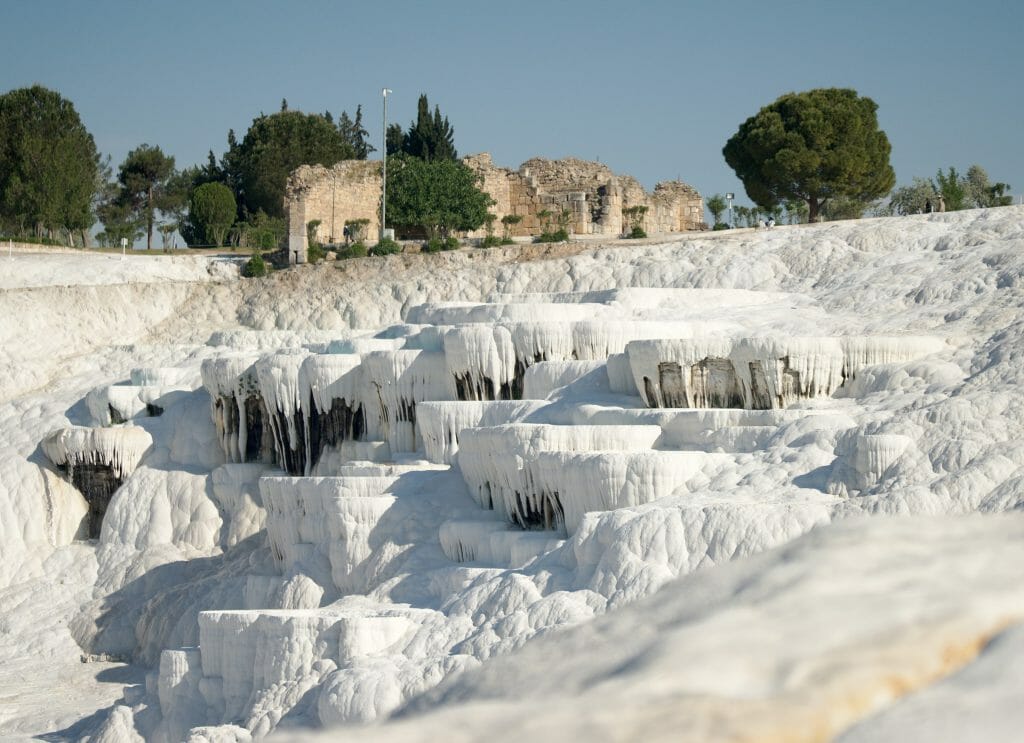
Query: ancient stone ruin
x=589, y=195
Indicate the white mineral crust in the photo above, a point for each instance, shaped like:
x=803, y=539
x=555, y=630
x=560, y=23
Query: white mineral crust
x=769, y=487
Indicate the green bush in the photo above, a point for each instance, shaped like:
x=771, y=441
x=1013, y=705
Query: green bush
x=507, y=241
x=255, y=267
x=315, y=253
x=720, y=226
x=355, y=250
x=558, y=236
x=451, y=243
x=387, y=246
x=492, y=241
x=636, y=233
x=433, y=245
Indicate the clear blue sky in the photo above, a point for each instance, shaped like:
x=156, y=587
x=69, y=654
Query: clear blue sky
x=652, y=88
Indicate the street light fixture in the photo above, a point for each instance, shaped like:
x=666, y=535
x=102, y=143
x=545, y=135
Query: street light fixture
x=384, y=176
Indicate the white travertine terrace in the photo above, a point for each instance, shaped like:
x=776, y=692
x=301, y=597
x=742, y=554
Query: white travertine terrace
x=582, y=482
x=543, y=378
x=324, y=378
x=119, y=448
x=244, y=653
x=441, y=423
x=862, y=351
x=499, y=463
x=278, y=377
x=171, y=377
x=620, y=376
x=464, y=314
x=494, y=543
x=489, y=361
x=400, y=380
x=118, y=403
x=236, y=402
x=115, y=403
x=482, y=360
x=363, y=518
x=863, y=459
x=333, y=392
x=758, y=373
x=699, y=429
x=322, y=525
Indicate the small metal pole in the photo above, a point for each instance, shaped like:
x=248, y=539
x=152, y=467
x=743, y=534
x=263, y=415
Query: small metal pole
x=384, y=177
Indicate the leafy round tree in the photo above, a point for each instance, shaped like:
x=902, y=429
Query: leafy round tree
x=259, y=166
x=48, y=163
x=438, y=196
x=814, y=146
x=211, y=212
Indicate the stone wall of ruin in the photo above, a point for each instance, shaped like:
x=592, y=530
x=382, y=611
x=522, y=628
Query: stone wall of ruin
x=590, y=193
x=349, y=190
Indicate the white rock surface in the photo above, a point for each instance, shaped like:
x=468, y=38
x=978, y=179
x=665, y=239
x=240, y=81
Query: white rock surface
x=893, y=346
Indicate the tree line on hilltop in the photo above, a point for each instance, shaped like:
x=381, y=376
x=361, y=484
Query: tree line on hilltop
x=807, y=156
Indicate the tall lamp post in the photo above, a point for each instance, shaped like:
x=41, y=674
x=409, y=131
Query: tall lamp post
x=384, y=177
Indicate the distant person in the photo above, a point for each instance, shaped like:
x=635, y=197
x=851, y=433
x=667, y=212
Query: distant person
x=771, y=222
x=347, y=233
x=927, y=206
x=942, y=203
x=761, y=225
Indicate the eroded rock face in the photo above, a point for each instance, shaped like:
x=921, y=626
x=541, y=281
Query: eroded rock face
x=96, y=461
x=760, y=373
x=98, y=483
x=238, y=409
x=330, y=428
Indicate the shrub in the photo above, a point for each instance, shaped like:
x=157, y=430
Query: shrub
x=492, y=241
x=451, y=243
x=720, y=226
x=433, y=245
x=635, y=215
x=255, y=267
x=489, y=220
x=507, y=241
x=558, y=236
x=355, y=250
x=508, y=222
x=311, y=229
x=387, y=246
x=315, y=253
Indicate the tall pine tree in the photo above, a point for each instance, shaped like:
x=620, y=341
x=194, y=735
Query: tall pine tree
x=355, y=134
x=145, y=177
x=430, y=137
